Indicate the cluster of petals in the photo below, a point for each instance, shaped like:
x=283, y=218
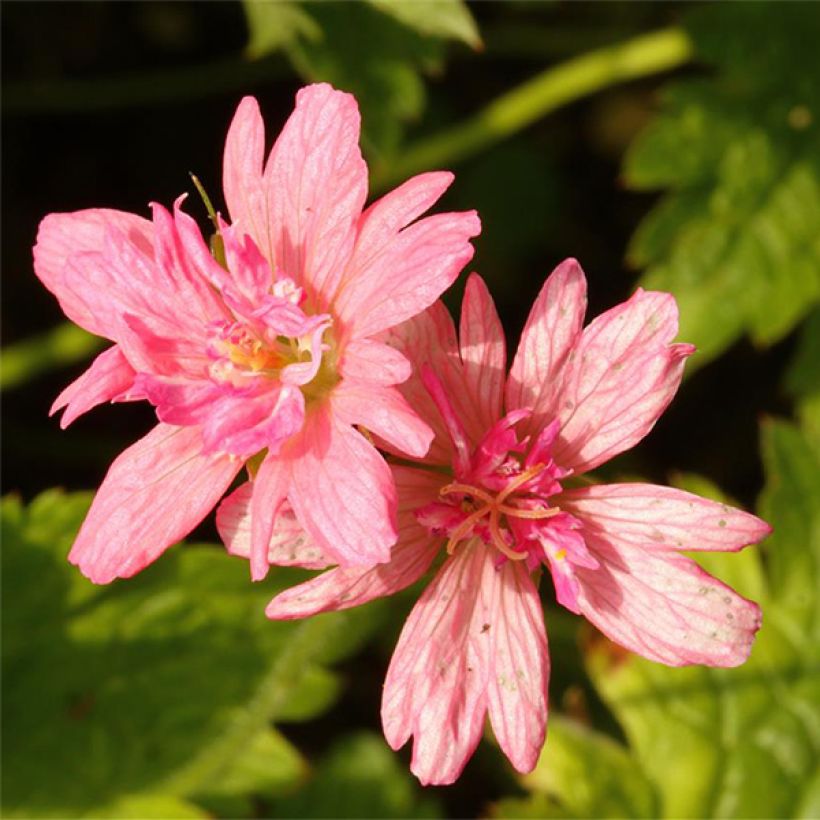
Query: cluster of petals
x=261, y=349
x=501, y=493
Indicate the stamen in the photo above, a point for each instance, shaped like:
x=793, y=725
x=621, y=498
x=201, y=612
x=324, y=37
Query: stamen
x=467, y=489
x=463, y=528
x=530, y=515
x=500, y=542
x=523, y=478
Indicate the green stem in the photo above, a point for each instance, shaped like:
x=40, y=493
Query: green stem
x=60, y=346
x=544, y=93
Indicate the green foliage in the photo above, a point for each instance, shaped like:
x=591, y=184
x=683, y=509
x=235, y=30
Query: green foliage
x=740, y=742
x=151, y=696
x=377, y=50
x=359, y=777
x=737, y=236
x=803, y=379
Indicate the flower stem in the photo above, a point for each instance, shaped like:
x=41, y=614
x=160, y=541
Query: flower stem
x=557, y=86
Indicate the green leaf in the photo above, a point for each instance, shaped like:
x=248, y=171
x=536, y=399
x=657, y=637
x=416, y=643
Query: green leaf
x=618, y=788
x=360, y=777
x=803, y=379
x=737, y=237
x=274, y=25
x=450, y=19
x=161, y=685
x=740, y=742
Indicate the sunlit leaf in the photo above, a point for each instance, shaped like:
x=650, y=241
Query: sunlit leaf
x=163, y=684
x=439, y=18
x=737, y=236
x=275, y=24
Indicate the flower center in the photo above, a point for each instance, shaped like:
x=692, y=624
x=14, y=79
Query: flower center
x=481, y=504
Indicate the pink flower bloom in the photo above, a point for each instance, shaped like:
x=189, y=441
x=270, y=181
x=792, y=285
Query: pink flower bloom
x=265, y=351
x=498, y=490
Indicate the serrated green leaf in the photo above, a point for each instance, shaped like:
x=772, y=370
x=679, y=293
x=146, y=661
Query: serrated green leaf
x=449, y=19
x=159, y=685
x=737, y=238
x=360, y=777
x=590, y=775
x=740, y=742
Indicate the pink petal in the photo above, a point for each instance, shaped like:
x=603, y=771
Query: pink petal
x=154, y=494
x=429, y=339
x=315, y=187
x=660, y=518
x=60, y=236
x=411, y=557
x=483, y=351
x=436, y=685
x=342, y=492
x=663, y=606
x=414, y=269
x=618, y=381
x=517, y=691
x=289, y=545
x=551, y=332
x=270, y=486
x=107, y=379
x=384, y=412
x=242, y=172
x=366, y=360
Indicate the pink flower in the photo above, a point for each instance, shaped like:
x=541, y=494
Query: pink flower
x=498, y=489
x=264, y=353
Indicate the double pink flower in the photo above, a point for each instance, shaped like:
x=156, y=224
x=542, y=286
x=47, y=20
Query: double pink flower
x=267, y=357
x=501, y=493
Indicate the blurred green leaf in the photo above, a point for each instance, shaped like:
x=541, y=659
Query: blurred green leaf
x=360, y=777
x=590, y=775
x=161, y=687
x=740, y=742
x=803, y=379
x=536, y=806
x=450, y=19
x=274, y=25
x=737, y=237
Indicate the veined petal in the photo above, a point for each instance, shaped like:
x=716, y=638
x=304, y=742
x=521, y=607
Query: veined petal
x=412, y=272
x=154, y=494
x=242, y=172
x=343, y=588
x=270, y=486
x=315, y=184
x=662, y=518
x=107, y=379
x=517, y=687
x=384, y=412
x=551, y=332
x=483, y=351
x=663, y=606
x=436, y=685
x=619, y=379
x=289, y=546
x=342, y=492
x=61, y=236
x=366, y=360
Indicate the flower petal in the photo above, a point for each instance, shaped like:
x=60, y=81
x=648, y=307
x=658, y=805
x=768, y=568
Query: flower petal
x=619, y=379
x=270, y=486
x=366, y=360
x=242, y=172
x=342, y=492
x=315, y=187
x=436, y=685
x=517, y=690
x=551, y=332
x=289, y=546
x=154, y=494
x=342, y=588
x=107, y=379
x=483, y=351
x=651, y=516
x=412, y=271
x=384, y=412
x=663, y=606
x=60, y=236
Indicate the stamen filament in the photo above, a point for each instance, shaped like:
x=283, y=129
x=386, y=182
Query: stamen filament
x=522, y=478
x=463, y=528
x=530, y=515
x=467, y=489
x=499, y=540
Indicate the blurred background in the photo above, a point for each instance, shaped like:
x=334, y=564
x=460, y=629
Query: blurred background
x=671, y=145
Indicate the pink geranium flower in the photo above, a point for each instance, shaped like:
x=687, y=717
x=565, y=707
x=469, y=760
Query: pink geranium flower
x=499, y=491
x=264, y=353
